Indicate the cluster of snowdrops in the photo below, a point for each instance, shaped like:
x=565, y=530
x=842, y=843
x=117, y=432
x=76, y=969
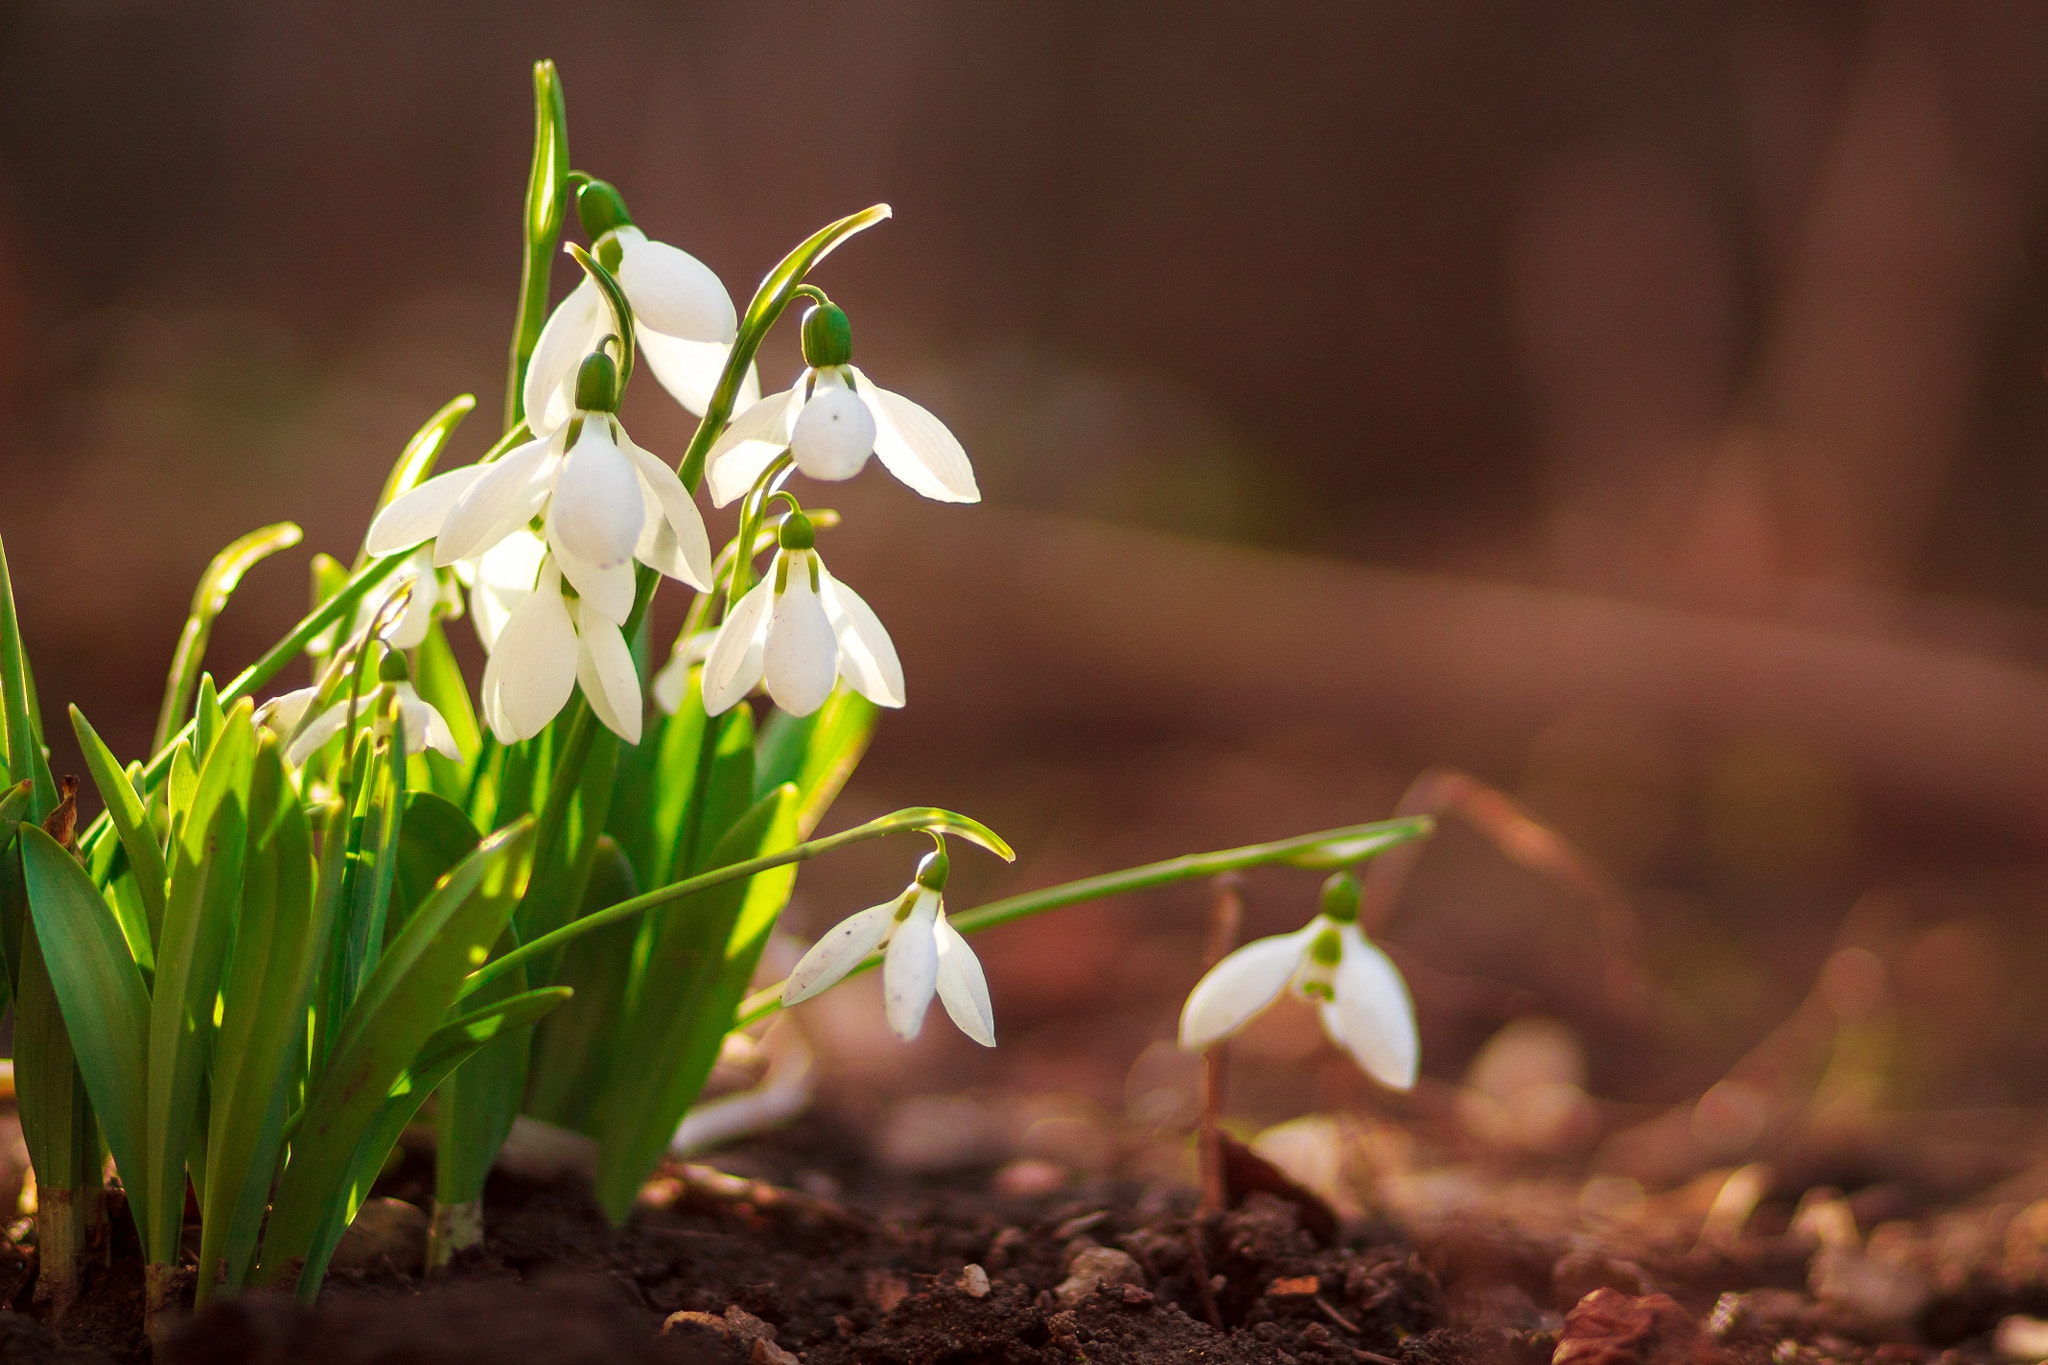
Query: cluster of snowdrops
x=296, y=923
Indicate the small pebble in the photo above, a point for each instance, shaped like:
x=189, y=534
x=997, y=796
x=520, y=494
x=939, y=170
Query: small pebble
x=1611, y=1328
x=766, y=1352
x=1297, y=1285
x=885, y=1291
x=386, y=1233
x=974, y=1281
x=1094, y=1268
x=2020, y=1337
x=1029, y=1176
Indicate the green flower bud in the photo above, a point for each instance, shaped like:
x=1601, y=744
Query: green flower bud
x=932, y=870
x=828, y=336
x=597, y=384
x=601, y=208
x=797, y=533
x=1341, y=894
x=392, y=668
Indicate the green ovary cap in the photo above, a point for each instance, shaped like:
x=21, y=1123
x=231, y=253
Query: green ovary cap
x=932, y=870
x=392, y=667
x=796, y=532
x=601, y=208
x=828, y=337
x=1341, y=894
x=597, y=384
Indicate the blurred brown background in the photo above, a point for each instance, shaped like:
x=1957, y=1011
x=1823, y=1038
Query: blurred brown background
x=1639, y=406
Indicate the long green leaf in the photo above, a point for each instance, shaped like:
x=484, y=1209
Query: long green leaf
x=416, y=461
x=402, y=1002
x=209, y=599
x=573, y=1050
x=199, y=922
x=440, y=684
x=131, y=822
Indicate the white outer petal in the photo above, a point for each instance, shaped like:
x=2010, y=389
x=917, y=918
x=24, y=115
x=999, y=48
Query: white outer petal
x=916, y=447
x=572, y=332
x=1373, y=1018
x=665, y=494
x=425, y=727
x=604, y=667
x=910, y=969
x=867, y=656
x=839, y=951
x=323, y=727
x=672, y=292
x=749, y=444
x=284, y=711
x=963, y=990
x=504, y=576
x=735, y=662
x=1240, y=986
x=533, y=669
x=411, y=626
x=690, y=370
x=496, y=505
x=596, y=509
x=610, y=591
x=801, y=659
x=417, y=516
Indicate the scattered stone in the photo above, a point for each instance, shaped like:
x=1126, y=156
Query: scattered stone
x=1578, y=1273
x=766, y=1352
x=1611, y=1328
x=387, y=1234
x=1136, y=1296
x=1094, y=1268
x=2020, y=1337
x=885, y=1290
x=1028, y=1177
x=974, y=1282
x=1297, y=1285
x=998, y=1254
x=1880, y=1285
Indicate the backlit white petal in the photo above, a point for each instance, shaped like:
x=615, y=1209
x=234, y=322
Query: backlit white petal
x=322, y=728
x=534, y=664
x=1239, y=987
x=916, y=447
x=610, y=591
x=596, y=508
x=734, y=665
x=834, y=432
x=686, y=552
x=750, y=444
x=425, y=728
x=498, y=503
x=605, y=669
x=839, y=951
x=867, y=657
x=572, y=332
x=910, y=969
x=962, y=987
x=1373, y=1017
x=283, y=712
x=673, y=292
x=690, y=370
x=411, y=627
x=801, y=661
x=417, y=516
x=504, y=576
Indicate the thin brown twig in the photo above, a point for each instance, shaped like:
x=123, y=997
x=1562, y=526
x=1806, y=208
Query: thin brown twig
x=1198, y=1262
x=1226, y=915
x=1336, y=1317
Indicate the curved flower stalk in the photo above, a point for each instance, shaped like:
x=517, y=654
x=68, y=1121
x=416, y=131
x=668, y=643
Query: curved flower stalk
x=799, y=631
x=423, y=726
x=683, y=317
x=926, y=956
x=604, y=502
x=1359, y=993
x=551, y=641
x=831, y=420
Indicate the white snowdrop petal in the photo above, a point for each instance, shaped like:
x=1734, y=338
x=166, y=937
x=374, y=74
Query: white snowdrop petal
x=503, y=577
x=910, y=969
x=606, y=662
x=963, y=990
x=572, y=332
x=425, y=727
x=1239, y=987
x=411, y=626
x=479, y=519
x=801, y=659
x=750, y=444
x=690, y=370
x=609, y=591
x=417, y=516
x=917, y=448
x=842, y=948
x=535, y=661
x=674, y=293
x=867, y=656
x=284, y=711
x=834, y=434
x=691, y=562
x=322, y=728
x=596, y=508
x=735, y=662
x=1373, y=1014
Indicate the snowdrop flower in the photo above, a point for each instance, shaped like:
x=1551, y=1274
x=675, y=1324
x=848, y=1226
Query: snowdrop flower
x=800, y=630
x=832, y=420
x=423, y=725
x=926, y=956
x=430, y=597
x=604, y=501
x=670, y=683
x=1363, y=1002
x=550, y=642
x=499, y=580
x=683, y=318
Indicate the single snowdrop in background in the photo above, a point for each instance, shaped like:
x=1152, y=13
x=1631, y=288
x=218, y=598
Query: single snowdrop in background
x=548, y=644
x=424, y=727
x=926, y=956
x=1358, y=992
x=799, y=631
x=832, y=420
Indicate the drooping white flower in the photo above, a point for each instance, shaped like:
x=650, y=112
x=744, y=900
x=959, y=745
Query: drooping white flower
x=605, y=503
x=423, y=725
x=549, y=642
x=673, y=679
x=683, y=317
x=1360, y=996
x=429, y=598
x=831, y=421
x=499, y=580
x=926, y=956
x=799, y=631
